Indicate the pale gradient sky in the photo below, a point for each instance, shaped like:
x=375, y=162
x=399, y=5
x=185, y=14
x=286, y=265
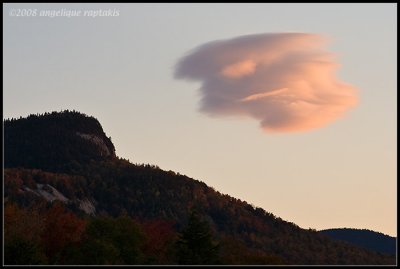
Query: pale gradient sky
x=120, y=70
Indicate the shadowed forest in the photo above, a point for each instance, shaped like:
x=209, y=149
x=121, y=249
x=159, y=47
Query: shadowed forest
x=70, y=200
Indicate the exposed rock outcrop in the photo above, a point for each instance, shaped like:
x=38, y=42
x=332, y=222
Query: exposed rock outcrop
x=104, y=151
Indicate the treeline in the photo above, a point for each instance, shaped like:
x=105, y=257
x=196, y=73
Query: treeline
x=50, y=234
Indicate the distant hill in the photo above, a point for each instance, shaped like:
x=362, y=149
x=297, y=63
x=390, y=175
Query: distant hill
x=65, y=157
x=368, y=239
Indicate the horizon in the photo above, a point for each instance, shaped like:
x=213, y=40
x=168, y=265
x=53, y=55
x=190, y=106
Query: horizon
x=336, y=169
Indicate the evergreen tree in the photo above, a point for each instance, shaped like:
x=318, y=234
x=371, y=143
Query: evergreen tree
x=195, y=245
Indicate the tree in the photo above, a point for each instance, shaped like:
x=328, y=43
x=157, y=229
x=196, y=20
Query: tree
x=20, y=251
x=22, y=229
x=159, y=244
x=109, y=240
x=196, y=245
x=62, y=228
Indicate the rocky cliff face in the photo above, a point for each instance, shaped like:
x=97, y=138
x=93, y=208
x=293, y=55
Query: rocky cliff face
x=99, y=142
x=51, y=194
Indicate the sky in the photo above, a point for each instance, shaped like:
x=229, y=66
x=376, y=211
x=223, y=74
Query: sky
x=290, y=107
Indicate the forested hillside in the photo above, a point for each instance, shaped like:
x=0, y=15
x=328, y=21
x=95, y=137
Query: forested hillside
x=63, y=178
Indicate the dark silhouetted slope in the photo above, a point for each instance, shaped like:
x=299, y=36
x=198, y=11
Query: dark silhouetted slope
x=364, y=238
x=55, y=141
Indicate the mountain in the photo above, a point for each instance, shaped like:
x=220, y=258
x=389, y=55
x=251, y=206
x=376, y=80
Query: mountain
x=55, y=141
x=67, y=193
x=364, y=238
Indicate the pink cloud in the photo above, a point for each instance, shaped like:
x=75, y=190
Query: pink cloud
x=286, y=81
x=239, y=69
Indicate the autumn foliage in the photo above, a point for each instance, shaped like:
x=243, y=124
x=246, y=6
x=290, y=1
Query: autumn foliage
x=140, y=214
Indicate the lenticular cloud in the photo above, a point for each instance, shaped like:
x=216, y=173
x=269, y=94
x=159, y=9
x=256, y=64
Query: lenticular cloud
x=286, y=80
